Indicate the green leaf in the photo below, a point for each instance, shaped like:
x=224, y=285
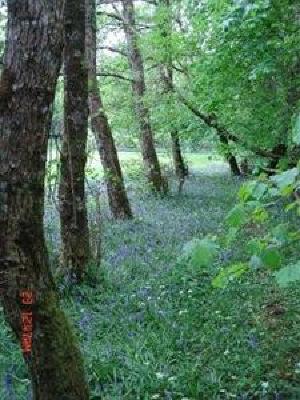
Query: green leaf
x=231, y=235
x=200, y=253
x=281, y=233
x=260, y=215
x=237, y=216
x=288, y=275
x=285, y=179
x=256, y=246
x=296, y=130
x=245, y=191
x=291, y=206
x=259, y=190
x=229, y=274
x=252, y=189
x=271, y=258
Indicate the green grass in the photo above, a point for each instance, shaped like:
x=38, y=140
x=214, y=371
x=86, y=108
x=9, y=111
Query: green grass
x=194, y=160
x=152, y=327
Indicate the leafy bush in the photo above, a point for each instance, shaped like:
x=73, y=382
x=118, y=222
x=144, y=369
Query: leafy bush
x=273, y=245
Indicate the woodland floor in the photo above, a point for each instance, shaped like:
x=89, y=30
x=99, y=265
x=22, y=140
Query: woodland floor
x=150, y=327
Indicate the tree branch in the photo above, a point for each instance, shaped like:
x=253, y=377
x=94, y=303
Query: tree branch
x=113, y=50
x=110, y=15
x=211, y=121
x=113, y=75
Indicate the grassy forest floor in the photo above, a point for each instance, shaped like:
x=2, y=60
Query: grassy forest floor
x=151, y=327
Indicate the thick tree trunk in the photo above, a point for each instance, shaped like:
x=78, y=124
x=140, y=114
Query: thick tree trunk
x=31, y=67
x=150, y=159
x=73, y=213
x=116, y=191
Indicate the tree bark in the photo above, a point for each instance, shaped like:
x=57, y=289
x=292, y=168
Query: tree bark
x=233, y=164
x=181, y=169
x=117, y=196
x=166, y=71
x=150, y=159
x=31, y=67
x=73, y=213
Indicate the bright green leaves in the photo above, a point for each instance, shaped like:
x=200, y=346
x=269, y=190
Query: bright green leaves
x=259, y=190
x=251, y=194
x=200, y=252
x=246, y=190
x=260, y=215
x=288, y=182
x=285, y=179
x=263, y=254
x=271, y=258
x=270, y=247
x=237, y=217
x=242, y=214
x=288, y=275
x=281, y=233
x=229, y=274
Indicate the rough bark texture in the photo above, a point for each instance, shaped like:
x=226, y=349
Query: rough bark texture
x=166, y=72
x=73, y=213
x=31, y=67
x=150, y=159
x=116, y=191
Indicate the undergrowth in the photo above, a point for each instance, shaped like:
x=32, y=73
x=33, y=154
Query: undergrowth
x=153, y=327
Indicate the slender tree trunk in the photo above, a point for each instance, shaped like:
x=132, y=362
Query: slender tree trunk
x=150, y=159
x=116, y=191
x=73, y=213
x=181, y=169
x=293, y=94
x=31, y=67
x=166, y=71
x=233, y=164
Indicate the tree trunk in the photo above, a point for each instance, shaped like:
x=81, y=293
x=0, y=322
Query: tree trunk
x=116, y=191
x=234, y=167
x=150, y=159
x=31, y=67
x=73, y=213
x=166, y=72
x=181, y=169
